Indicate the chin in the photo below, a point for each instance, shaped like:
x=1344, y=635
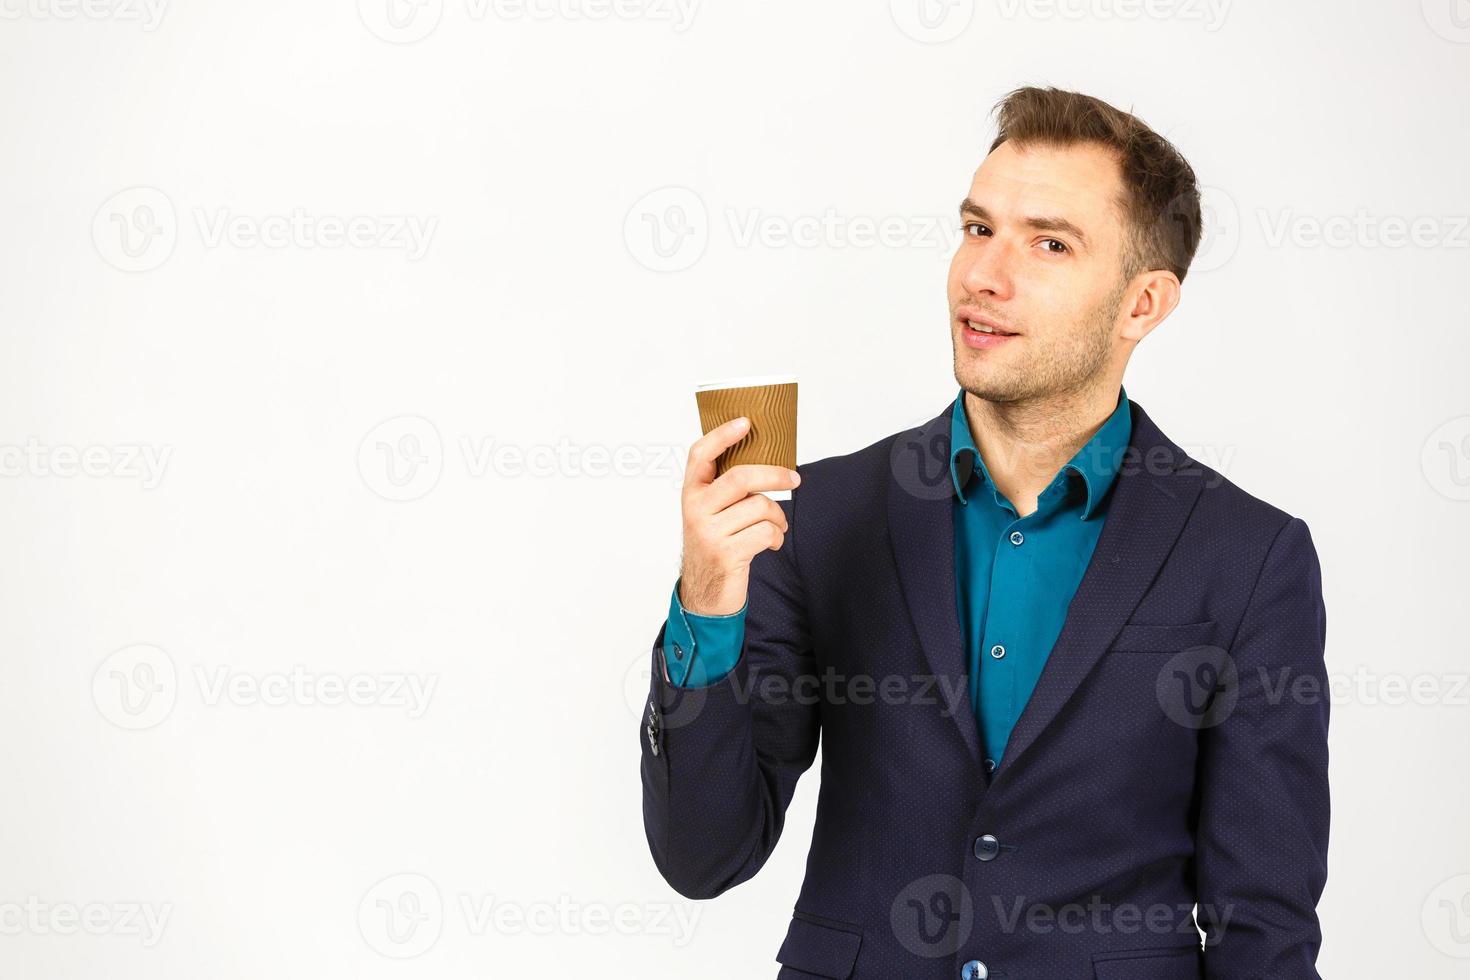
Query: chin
x=987, y=385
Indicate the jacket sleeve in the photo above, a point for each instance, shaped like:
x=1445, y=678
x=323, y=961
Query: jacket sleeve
x=720, y=762
x=1261, y=838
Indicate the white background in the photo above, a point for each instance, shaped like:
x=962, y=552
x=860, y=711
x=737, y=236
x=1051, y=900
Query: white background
x=334, y=429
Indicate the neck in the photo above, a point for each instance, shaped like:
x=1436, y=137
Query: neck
x=1025, y=443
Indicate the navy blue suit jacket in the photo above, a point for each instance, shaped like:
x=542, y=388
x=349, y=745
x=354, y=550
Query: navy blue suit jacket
x=1170, y=756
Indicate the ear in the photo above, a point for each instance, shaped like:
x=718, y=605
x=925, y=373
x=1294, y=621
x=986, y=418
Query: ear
x=1155, y=294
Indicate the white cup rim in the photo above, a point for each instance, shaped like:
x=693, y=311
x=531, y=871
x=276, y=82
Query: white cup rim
x=750, y=382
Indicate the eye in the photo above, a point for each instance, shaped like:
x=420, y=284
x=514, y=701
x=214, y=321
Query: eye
x=976, y=224
x=1061, y=248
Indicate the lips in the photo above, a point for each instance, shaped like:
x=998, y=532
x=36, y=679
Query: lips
x=978, y=340
x=980, y=333
x=973, y=320
x=980, y=326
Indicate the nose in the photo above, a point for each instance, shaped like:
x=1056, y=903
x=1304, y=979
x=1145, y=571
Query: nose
x=985, y=268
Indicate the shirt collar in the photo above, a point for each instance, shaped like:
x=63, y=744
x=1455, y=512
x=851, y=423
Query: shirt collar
x=1096, y=462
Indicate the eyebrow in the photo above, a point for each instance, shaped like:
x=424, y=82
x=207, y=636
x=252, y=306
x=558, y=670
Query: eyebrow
x=969, y=208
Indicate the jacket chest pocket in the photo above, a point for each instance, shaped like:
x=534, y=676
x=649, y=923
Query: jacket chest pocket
x=815, y=950
x=1146, y=638
x=1175, y=674
x=1179, y=963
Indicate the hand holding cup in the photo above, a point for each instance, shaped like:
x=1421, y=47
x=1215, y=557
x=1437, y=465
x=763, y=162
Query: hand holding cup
x=728, y=520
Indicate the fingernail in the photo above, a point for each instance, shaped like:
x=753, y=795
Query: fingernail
x=742, y=422
x=795, y=477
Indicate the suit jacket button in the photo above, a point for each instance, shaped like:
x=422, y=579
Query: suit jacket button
x=974, y=970
x=987, y=847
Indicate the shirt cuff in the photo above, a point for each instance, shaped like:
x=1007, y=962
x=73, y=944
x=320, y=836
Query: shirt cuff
x=701, y=650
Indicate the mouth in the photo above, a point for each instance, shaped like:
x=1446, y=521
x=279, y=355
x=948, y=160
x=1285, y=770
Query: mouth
x=983, y=334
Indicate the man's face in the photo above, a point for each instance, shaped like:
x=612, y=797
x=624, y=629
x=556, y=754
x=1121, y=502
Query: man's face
x=1042, y=257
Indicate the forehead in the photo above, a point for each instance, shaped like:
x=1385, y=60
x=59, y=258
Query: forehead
x=1081, y=183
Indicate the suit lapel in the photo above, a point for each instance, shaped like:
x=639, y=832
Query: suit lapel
x=1151, y=499
x=921, y=527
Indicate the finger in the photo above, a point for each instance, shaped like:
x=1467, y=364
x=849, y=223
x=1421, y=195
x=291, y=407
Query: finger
x=752, y=510
x=759, y=537
x=700, y=471
x=738, y=482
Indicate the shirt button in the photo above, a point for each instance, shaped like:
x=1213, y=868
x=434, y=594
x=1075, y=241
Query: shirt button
x=1017, y=537
x=974, y=970
x=997, y=651
x=678, y=652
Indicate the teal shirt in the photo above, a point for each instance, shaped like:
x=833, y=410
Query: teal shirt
x=1014, y=577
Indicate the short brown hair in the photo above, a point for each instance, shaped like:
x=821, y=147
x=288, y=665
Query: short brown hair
x=1161, y=198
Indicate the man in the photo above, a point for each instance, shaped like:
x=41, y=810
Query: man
x=1049, y=656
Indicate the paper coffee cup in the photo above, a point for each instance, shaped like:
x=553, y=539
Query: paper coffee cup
x=769, y=401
